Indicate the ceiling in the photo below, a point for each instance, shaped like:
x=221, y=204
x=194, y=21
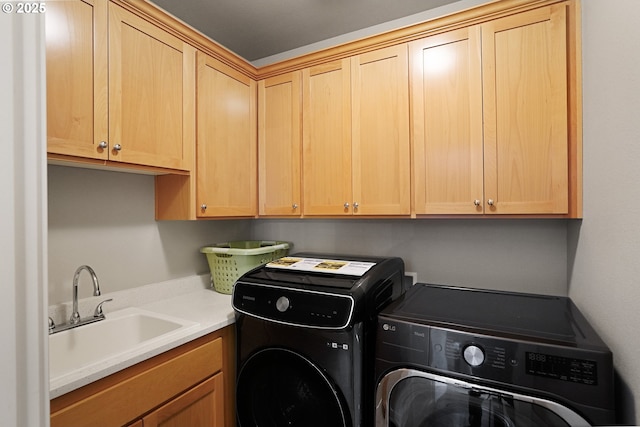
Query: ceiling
x=256, y=29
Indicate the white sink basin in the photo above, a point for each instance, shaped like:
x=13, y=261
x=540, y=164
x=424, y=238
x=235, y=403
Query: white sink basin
x=122, y=335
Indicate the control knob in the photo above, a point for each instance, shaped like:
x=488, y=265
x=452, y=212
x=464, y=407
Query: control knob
x=282, y=304
x=473, y=355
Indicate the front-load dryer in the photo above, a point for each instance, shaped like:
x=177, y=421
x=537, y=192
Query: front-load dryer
x=458, y=357
x=305, y=328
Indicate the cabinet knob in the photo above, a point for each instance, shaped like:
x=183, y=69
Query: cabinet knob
x=103, y=144
x=346, y=205
x=490, y=202
x=203, y=206
x=356, y=205
x=117, y=147
x=294, y=206
x=476, y=202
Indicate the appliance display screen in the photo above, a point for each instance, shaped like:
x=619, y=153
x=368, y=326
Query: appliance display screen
x=562, y=368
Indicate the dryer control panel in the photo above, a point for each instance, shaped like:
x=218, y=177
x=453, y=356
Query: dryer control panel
x=492, y=358
x=297, y=307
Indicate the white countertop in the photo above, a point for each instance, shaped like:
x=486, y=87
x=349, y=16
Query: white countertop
x=189, y=299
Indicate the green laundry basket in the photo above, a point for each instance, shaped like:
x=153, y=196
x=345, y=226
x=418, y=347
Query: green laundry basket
x=230, y=260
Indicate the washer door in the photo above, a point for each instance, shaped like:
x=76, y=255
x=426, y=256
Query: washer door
x=277, y=387
x=411, y=398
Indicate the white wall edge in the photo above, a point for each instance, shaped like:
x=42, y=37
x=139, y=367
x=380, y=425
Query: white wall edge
x=24, y=376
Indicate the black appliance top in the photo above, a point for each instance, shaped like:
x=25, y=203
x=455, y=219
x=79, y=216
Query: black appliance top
x=319, y=290
x=328, y=275
x=529, y=317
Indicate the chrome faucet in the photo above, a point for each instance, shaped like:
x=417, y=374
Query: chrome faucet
x=75, y=319
x=75, y=316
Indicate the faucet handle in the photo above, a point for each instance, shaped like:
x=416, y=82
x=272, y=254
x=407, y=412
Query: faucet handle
x=98, y=311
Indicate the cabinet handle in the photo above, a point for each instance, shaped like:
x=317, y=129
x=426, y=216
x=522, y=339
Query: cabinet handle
x=346, y=205
x=117, y=147
x=490, y=202
x=203, y=206
x=294, y=206
x=103, y=144
x=355, y=205
x=476, y=202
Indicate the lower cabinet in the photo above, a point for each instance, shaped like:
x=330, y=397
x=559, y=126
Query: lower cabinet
x=200, y=406
x=191, y=385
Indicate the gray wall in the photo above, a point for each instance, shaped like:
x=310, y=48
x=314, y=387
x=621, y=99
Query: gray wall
x=604, y=251
x=523, y=255
x=106, y=220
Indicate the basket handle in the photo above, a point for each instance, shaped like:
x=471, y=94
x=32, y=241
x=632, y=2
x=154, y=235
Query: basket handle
x=281, y=246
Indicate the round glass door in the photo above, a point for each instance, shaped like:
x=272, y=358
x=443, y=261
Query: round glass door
x=278, y=387
x=410, y=398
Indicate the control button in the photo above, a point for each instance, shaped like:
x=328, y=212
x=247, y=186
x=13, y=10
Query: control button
x=282, y=304
x=473, y=355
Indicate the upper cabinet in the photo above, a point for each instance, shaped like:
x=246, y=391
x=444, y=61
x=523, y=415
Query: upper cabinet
x=130, y=103
x=447, y=123
x=526, y=144
x=326, y=141
x=356, y=135
x=490, y=107
x=151, y=76
x=77, y=74
x=474, y=113
x=227, y=149
x=381, y=163
x=279, y=145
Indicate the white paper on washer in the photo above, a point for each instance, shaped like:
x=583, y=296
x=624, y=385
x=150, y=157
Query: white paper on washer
x=318, y=265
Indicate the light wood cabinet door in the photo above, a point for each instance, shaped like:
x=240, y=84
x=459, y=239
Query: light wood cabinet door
x=381, y=173
x=76, y=49
x=524, y=66
x=356, y=148
x=326, y=141
x=201, y=406
x=279, y=145
x=226, y=141
x=490, y=117
x=151, y=80
x=447, y=123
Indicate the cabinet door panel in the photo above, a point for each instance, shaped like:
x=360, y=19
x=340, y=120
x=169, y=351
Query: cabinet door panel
x=380, y=134
x=327, y=139
x=279, y=145
x=226, y=140
x=526, y=119
x=147, y=92
x=76, y=46
x=201, y=406
x=447, y=123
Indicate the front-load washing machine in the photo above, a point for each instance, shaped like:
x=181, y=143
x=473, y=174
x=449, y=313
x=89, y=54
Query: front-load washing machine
x=305, y=328
x=456, y=357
